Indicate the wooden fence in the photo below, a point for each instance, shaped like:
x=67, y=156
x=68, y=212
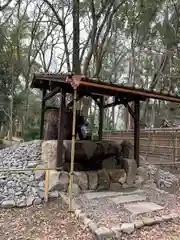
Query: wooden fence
x=162, y=143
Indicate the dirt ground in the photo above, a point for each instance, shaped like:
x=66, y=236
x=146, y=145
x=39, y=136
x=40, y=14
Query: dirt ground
x=52, y=222
x=47, y=222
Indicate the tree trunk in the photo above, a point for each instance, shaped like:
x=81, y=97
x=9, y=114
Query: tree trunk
x=76, y=35
x=51, y=124
x=51, y=120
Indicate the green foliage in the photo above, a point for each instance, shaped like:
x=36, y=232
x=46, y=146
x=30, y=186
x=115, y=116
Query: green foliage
x=167, y=33
x=32, y=133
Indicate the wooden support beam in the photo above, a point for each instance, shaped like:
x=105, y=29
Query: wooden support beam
x=42, y=114
x=130, y=110
x=118, y=102
x=136, y=131
x=52, y=93
x=95, y=98
x=113, y=104
x=101, y=115
x=59, y=160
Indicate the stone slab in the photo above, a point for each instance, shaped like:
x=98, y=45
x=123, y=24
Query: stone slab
x=128, y=198
x=92, y=195
x=144, y=207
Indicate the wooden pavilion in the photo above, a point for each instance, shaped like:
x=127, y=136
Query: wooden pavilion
x=51, y=84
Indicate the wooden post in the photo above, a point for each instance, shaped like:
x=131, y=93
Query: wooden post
x=76, y=70
x=59, y=159
x=42, y=114
x=153, y=140
x=176, y=146
x=136, y=131
x=101, y=115
x=72, y=151
x=46, y=184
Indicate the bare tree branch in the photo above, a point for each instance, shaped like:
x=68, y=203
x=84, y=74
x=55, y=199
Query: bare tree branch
x=62, y=24
x=96, y=35
x=5, y=5
x=92, y=33
x=5, y=112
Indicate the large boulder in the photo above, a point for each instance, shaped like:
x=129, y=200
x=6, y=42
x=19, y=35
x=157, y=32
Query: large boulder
x=81, y=179
x=49, y=153
x=75, y=190
x=142, y=171
x=126, y=149
x=89, y=155
x=130, y=167
x=58, y=181
x=94, y=155
x=114, y=186
x=93, y=180
x=118, y=175
x=109, y=163
x=103, y=180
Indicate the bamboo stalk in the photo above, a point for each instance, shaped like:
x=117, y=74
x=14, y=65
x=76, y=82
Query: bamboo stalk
x=131, y=138
x=72, y=152
x=160, y=146
x=167, y=163
x=46, y=183
x=27, y=169
x=176, y=147
x=46, y=186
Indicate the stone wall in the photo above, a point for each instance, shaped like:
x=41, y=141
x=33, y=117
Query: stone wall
x=21, y=188
x=115, y=179
x=104, y=179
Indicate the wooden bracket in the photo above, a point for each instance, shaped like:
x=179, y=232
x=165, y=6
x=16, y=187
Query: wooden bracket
x=51, y=93
x=130, y=110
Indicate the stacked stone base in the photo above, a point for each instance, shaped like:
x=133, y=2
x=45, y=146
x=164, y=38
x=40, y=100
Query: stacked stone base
x=114, y=179
x=102, y=180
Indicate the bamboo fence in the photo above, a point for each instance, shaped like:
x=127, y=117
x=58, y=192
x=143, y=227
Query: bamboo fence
x=161, y=143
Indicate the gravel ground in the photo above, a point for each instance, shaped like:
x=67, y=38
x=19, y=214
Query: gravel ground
x=164, y=231
x=51, y=221
x=104, y=212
